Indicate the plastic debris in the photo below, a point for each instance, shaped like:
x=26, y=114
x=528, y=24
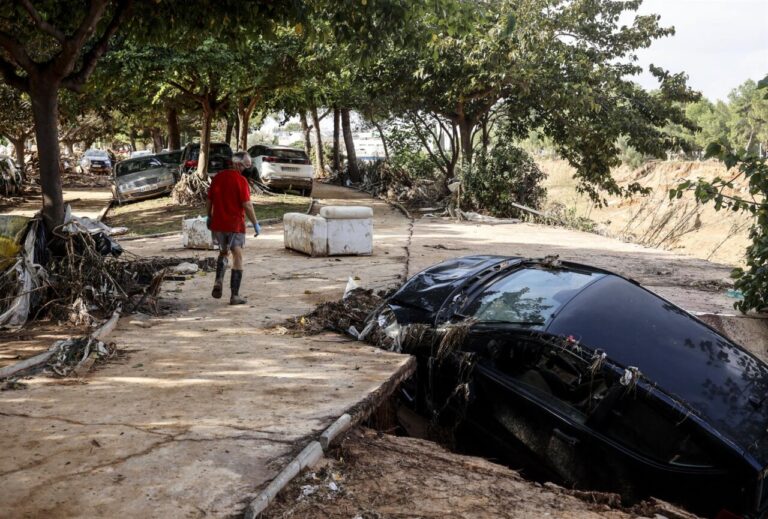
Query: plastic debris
x=351, y=285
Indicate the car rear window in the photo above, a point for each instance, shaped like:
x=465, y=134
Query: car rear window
x=529, y=295
x=286, y=154
x=138, y=165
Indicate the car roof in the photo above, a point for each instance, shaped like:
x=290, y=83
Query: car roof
x=698, y=368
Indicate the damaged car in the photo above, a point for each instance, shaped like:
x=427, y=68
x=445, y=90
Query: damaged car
x=586, y=378
x=140, y=178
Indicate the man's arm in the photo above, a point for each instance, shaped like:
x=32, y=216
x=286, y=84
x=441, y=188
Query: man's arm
x=250, y=213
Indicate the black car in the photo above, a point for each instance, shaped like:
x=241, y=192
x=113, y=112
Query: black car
x=171, y=160
x=219, y=157
x=590, y=378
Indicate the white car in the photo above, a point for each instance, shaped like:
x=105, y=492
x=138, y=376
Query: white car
x=281, y=167
x=95, y=161
x=141, y=153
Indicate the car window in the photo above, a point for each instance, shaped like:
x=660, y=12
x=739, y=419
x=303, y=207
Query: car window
x=639, y=423
x=285, y=154
x=528, y=295
x=138, y=165
x=220, y=149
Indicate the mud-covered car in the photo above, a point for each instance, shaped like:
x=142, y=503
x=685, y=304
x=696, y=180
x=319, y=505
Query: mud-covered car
x=95, y=161
x=281, y=167
x=587, y=378
x=140, y=178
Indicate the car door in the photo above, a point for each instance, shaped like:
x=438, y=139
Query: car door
x=533, y=397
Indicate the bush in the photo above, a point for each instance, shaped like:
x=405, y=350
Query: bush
x=501, y=177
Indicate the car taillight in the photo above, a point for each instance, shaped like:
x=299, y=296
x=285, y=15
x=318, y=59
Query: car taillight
x=306, y=161
x=269, y=159
x=190, y=164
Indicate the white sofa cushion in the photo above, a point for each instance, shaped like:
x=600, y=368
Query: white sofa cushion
x=305, y=233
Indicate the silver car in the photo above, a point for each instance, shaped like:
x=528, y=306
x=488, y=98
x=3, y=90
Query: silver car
x=142, y=177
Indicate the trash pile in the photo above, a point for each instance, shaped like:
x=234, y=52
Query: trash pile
x=78, y=355
x=70, y=177
x=80, y=275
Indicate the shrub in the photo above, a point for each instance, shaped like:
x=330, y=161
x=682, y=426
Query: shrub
x=503, y=176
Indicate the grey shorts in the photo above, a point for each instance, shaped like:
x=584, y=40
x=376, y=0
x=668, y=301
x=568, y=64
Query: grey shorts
x=229, y=240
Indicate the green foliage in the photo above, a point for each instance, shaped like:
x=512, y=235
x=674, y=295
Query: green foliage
x=752, y=281
x=503, y=176
x=407, y=154
x=628, y=154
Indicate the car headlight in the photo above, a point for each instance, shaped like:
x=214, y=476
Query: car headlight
x=125, y=187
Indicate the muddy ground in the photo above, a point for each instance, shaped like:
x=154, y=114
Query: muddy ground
x=371, y=475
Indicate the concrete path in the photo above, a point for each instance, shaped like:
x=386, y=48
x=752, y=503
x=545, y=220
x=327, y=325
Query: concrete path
x=209, y=404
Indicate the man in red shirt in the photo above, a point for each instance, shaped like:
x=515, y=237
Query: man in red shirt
x=229, y=202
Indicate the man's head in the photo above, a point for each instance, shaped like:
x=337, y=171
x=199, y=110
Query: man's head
x=241, y=160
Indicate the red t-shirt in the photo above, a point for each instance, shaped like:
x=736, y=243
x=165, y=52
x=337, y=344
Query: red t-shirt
x=228, y=191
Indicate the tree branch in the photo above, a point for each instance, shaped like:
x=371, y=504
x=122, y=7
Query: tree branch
x=12, y=78
x=189, y=93
x=75, y=81
x=42, y=24
x=17, y=52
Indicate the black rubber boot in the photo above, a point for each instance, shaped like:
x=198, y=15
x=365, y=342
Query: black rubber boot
x=234, y=283
x=221, y=267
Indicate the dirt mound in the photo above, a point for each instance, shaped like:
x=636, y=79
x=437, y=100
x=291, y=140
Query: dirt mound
x=372, y=475
x=681, y=225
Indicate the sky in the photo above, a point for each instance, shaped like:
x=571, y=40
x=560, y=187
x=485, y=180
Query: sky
x=718, y=43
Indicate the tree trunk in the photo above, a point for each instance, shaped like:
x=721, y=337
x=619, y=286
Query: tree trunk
x=132, y=139
x=465, y=137
x=172, y=121
x=157, y=140
x=205, y=140
x=244, y=111
x=383, y=139
x=354, y=173
x=307, y=137
x=237, y=133
x=319, y=158
x=70, y=148
x=336, y=132
x=228, y=130
x=18, y=148
x=45, y=110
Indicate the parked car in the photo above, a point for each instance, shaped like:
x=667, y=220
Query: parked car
x=591, y=378
x=171, y=160
x=140, y=178
x=219, y=157
x=95, y=161
x=281, y=167
x=140, y=153
x=10, y=177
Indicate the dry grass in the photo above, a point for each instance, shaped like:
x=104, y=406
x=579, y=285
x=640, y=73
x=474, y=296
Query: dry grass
x=159, y=215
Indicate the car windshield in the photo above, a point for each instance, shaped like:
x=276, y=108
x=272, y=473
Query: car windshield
x=96, y=153
x=213, y=149
x=285, y=154
x=170, y=158
x=529, y=296
x=138, y=165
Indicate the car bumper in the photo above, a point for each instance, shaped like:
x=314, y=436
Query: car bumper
x=139, y=194
x=288, y=182
x=99, y=169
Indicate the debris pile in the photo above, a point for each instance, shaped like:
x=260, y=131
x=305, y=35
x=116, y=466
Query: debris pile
x=78, y=355
x=70, y=177
x=191, y=189
x=351, y=312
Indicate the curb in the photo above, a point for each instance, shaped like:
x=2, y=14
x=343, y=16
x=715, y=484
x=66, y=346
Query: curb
x=315, y=450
